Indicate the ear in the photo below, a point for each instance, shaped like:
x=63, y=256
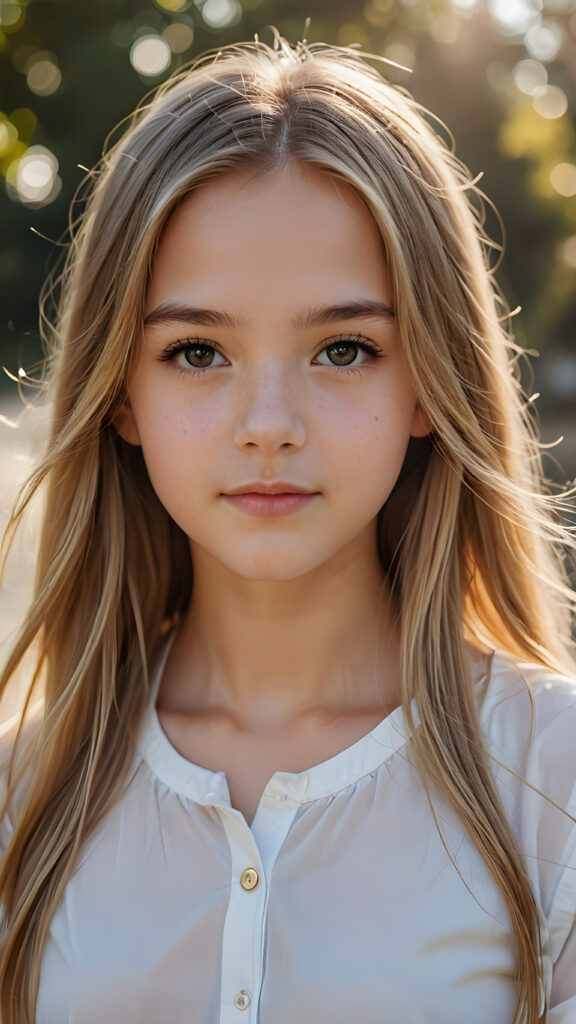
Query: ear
x=421, y=425
x=125, y=424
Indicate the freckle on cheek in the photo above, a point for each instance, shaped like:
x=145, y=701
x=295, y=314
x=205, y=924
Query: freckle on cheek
x=376, y=418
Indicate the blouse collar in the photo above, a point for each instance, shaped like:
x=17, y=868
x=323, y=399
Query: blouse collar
x=208, y=787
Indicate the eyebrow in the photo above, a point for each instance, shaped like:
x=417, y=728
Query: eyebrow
x=174, y=312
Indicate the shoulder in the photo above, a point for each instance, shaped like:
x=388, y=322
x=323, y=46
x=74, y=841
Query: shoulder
x=528, y=717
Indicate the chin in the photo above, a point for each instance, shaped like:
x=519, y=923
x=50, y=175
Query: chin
x=272, y=574
x=272, y=568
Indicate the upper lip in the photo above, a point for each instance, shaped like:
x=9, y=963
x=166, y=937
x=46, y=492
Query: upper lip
x=275, y=487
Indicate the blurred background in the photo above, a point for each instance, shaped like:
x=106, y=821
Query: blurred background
x=500, y=73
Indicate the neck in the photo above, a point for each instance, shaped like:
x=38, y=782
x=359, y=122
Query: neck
x=269, y=651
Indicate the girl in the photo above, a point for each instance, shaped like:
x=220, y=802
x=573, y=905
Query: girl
x=301, y=627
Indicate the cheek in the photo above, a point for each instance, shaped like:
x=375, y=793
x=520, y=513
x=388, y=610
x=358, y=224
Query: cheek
x=369, y=439
x=179, y=442
x=172, y=426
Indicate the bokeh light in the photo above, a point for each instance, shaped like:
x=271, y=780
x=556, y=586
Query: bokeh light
x=150, y=55
x=174, y=6
x=401, y=52
x=143, y=30
x=498, y=75
x=544, y=41
x=377, y=13
x=8, y=136
x=22, y=58
x=530, y=77
x=552, y=102
x=43, y=76
x=563, y=179
x=11, y=16
x=467, y=6
x=25, y=122
x=221, y=13
x=560, y=6
x=33, y=179
x=569, y=251
x=515, y=16
x=179, y=36
x=12, y=156
x=445, y=28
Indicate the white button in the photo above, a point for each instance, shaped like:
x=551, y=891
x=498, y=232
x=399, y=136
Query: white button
x=282, y=796
x=242, y=999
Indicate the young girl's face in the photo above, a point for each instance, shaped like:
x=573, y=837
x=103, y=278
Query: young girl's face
x=274, y=384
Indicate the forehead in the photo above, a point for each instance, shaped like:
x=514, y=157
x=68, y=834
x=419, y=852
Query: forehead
x=277, y=237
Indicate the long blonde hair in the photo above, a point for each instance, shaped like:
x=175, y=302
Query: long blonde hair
x=468, y=537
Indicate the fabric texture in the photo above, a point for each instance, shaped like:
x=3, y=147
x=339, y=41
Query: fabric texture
x=358, y=912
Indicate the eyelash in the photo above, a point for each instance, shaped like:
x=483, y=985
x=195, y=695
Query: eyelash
x=185, y=343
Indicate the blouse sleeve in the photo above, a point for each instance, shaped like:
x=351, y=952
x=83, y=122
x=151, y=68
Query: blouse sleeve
x=563, y=936
x=530, y=731
x=563, y=998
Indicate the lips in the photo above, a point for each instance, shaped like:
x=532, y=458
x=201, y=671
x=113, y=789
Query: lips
x=277, y=487
x=284, y=503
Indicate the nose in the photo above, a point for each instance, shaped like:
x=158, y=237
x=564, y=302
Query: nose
x=269, y=413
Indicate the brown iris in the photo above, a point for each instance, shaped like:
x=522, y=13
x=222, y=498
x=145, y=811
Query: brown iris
x=203, y=353
x=341, y=348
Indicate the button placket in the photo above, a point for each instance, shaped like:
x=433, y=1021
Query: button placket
x=243, y=927
x=272, y=824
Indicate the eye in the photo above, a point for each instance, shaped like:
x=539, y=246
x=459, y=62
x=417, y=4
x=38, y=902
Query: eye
x=343, y=351
x=191, y=354
x=198, y=356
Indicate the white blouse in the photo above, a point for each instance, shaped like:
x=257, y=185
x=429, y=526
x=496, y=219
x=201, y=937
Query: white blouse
x=340, y=903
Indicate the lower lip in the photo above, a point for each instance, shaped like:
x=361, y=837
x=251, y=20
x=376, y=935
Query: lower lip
x=269, y=504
